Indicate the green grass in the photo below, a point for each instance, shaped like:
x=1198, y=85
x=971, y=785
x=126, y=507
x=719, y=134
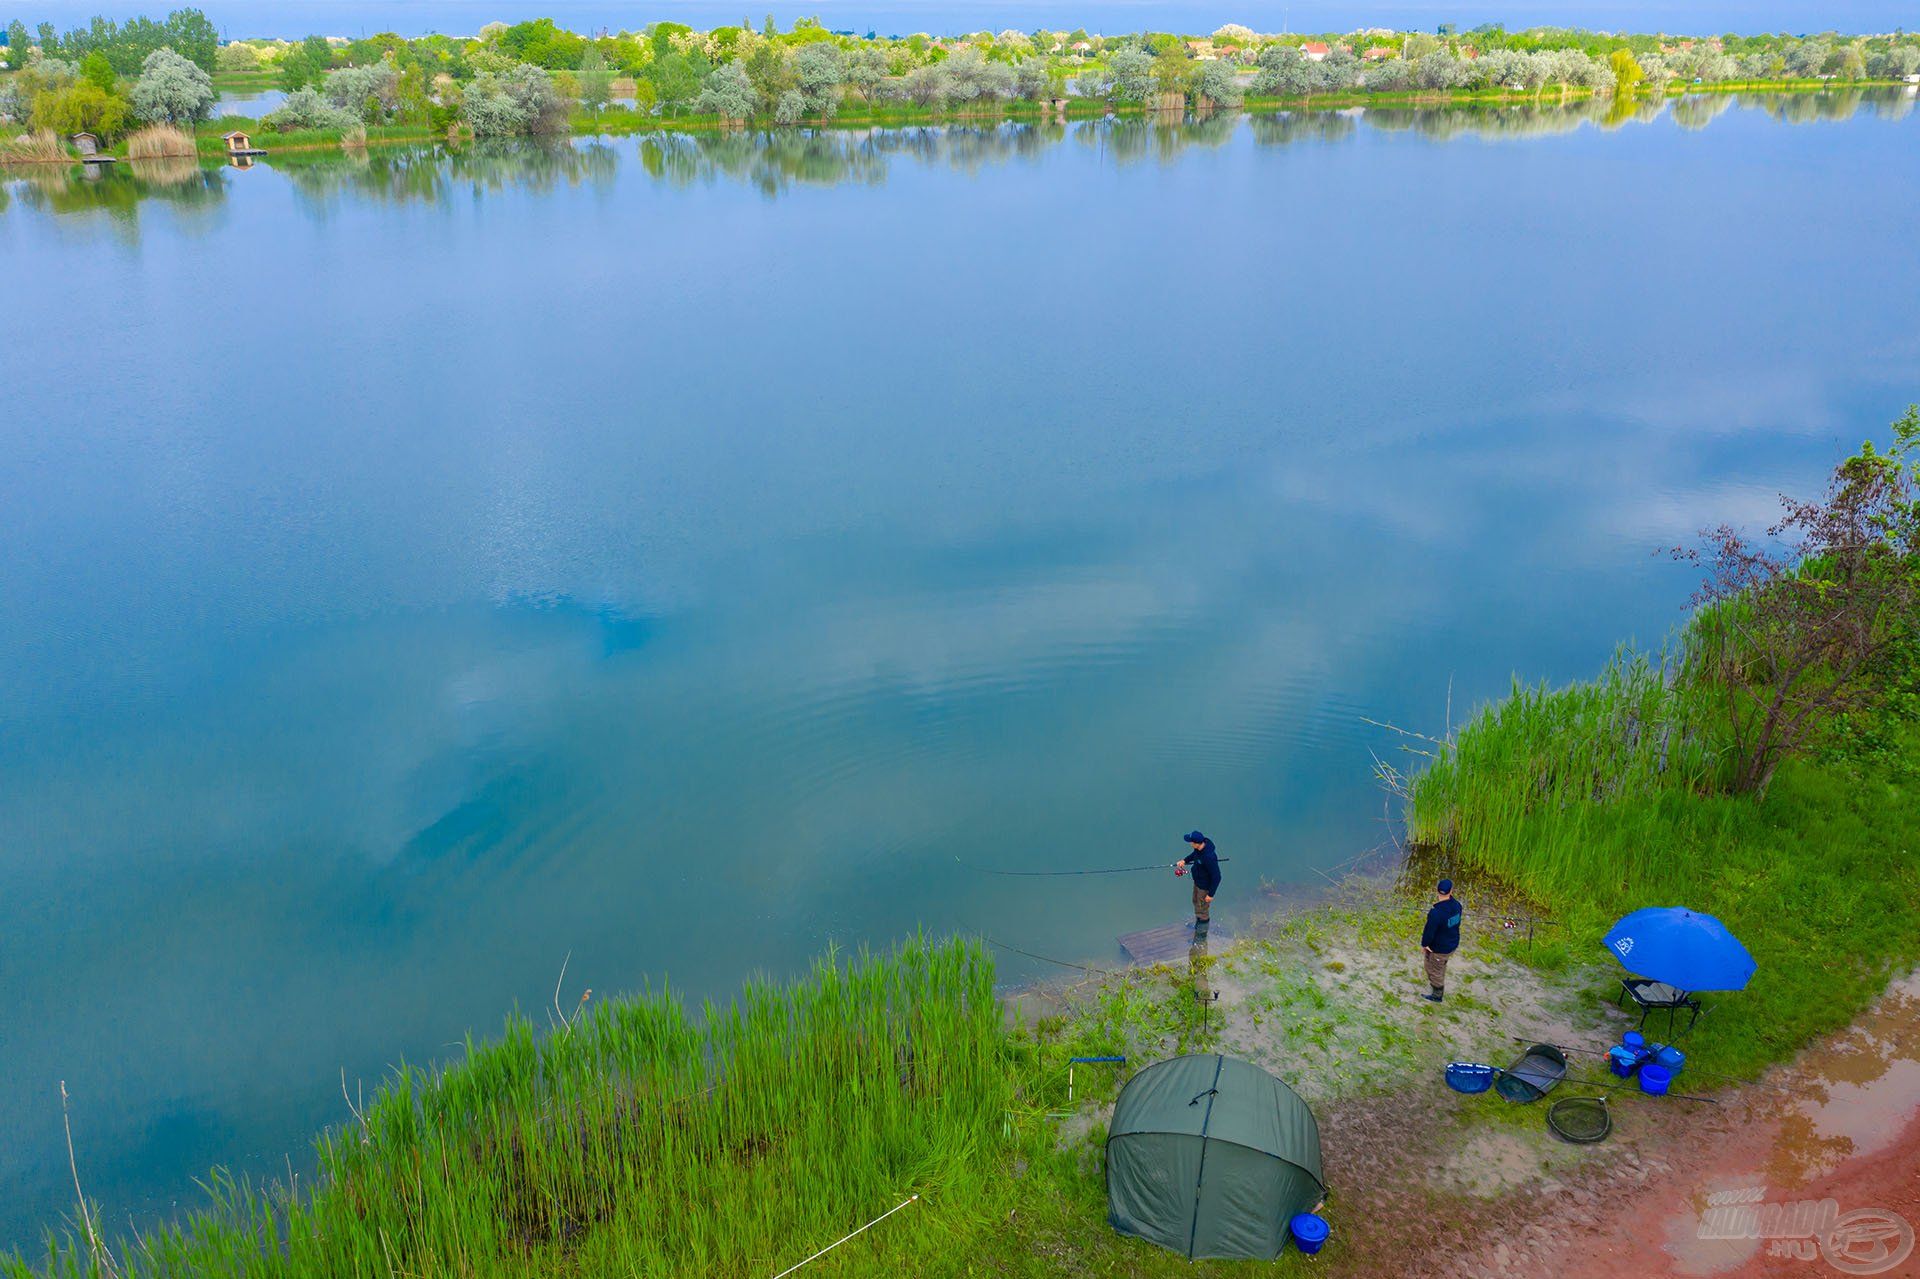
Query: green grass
x=642, y=1140
x=1604, y=797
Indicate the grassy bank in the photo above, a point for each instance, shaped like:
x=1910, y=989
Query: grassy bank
x=640, y=1140
x=1602, y=797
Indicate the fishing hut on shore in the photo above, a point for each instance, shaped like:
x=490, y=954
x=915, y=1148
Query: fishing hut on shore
x=89, y=148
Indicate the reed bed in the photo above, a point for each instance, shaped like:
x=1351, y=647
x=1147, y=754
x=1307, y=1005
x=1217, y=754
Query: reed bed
x=39, y=147
x=161, y=142
x=1530, y=784
x=640, y=1140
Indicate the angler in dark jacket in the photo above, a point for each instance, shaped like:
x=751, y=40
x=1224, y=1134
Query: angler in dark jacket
x=1440, y=938
x=1206, y=878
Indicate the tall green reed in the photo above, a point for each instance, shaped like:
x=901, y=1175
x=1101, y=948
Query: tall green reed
x=637, y=1139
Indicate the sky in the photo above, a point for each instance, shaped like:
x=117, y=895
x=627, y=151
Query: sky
x=245, y=18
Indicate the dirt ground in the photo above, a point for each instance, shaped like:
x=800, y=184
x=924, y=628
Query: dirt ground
x=1426, y=1181
x=1841, y=1123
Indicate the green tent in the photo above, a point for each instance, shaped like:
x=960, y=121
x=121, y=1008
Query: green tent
x=1210, y=1157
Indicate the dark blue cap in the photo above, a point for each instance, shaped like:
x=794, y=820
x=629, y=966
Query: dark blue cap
x=1195, y=837
x=1446, y=885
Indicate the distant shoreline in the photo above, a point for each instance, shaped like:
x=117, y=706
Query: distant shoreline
x=623, y=122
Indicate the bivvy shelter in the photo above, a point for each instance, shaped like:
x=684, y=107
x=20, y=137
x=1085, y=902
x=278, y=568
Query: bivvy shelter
x=1211, y=1156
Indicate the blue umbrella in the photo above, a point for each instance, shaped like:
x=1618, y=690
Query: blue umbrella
x=1682, y=948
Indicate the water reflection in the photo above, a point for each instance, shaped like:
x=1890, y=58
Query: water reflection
x=775, y=161
x=116, y=190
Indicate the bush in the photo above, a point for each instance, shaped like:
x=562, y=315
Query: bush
x=522, y=100
x=306, y=109
x=370, y=93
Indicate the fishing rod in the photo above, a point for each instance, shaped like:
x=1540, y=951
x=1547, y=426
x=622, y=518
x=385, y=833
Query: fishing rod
x=1105, y=870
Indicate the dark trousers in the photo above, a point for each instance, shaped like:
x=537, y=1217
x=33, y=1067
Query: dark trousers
x=1200, y=904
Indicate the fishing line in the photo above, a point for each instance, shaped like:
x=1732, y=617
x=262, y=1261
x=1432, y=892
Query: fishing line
x=1045, y=959
x=836, y=1243
x=1107, y=870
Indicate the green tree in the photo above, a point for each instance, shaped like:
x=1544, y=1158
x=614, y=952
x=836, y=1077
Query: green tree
x=96, y=69
x=675, y=80
x=306, y=64
x=236, y=58
x=1626, y=70
x=80, y=107
x=17, y=41
x=596, y=82
x=767, y=69
x=193, y=37
x=1173, y=68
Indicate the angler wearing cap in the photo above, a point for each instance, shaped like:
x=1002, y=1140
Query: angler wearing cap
x=1440, y=938
x=1206, y=877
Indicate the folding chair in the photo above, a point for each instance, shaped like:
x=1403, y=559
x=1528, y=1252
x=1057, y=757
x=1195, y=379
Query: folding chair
x=1651, y=996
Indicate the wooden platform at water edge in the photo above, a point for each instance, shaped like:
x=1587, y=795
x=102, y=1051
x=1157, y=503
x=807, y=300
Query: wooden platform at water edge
x=1169, y=943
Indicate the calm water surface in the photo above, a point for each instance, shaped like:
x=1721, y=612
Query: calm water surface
x=684, y=554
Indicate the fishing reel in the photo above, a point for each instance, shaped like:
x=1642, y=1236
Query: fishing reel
x=1179, y=869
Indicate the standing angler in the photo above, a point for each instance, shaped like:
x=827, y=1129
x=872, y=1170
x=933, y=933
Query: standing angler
x=1440, y=938
x=1206, y=878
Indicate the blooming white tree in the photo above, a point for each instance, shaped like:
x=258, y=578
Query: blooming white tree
x=1219, y=85
x=172, y=90
x=727, y=93
x=819, y=70
x=1132, y=74
x=520, y=100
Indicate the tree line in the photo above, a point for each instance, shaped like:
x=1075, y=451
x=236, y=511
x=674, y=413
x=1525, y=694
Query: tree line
x=528, y=77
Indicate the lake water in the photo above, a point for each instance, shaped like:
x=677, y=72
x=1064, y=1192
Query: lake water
x=253, y=103
x=683, y=554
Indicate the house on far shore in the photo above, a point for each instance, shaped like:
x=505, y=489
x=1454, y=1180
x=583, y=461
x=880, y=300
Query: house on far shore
x=1378, y=52
x=1315, y=51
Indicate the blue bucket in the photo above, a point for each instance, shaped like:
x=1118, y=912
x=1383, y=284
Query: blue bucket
x=1466, y=1076
x=1633, y=1040
x=1671, y=1058
x=1654, y=1079
x=1309, y=1232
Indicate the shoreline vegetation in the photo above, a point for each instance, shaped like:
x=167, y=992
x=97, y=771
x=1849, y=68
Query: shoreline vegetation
x=1766, y=768
x=109, y=80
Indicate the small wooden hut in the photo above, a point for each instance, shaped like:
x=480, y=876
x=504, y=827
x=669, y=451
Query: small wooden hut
x=239, y=144
x=89, y=148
